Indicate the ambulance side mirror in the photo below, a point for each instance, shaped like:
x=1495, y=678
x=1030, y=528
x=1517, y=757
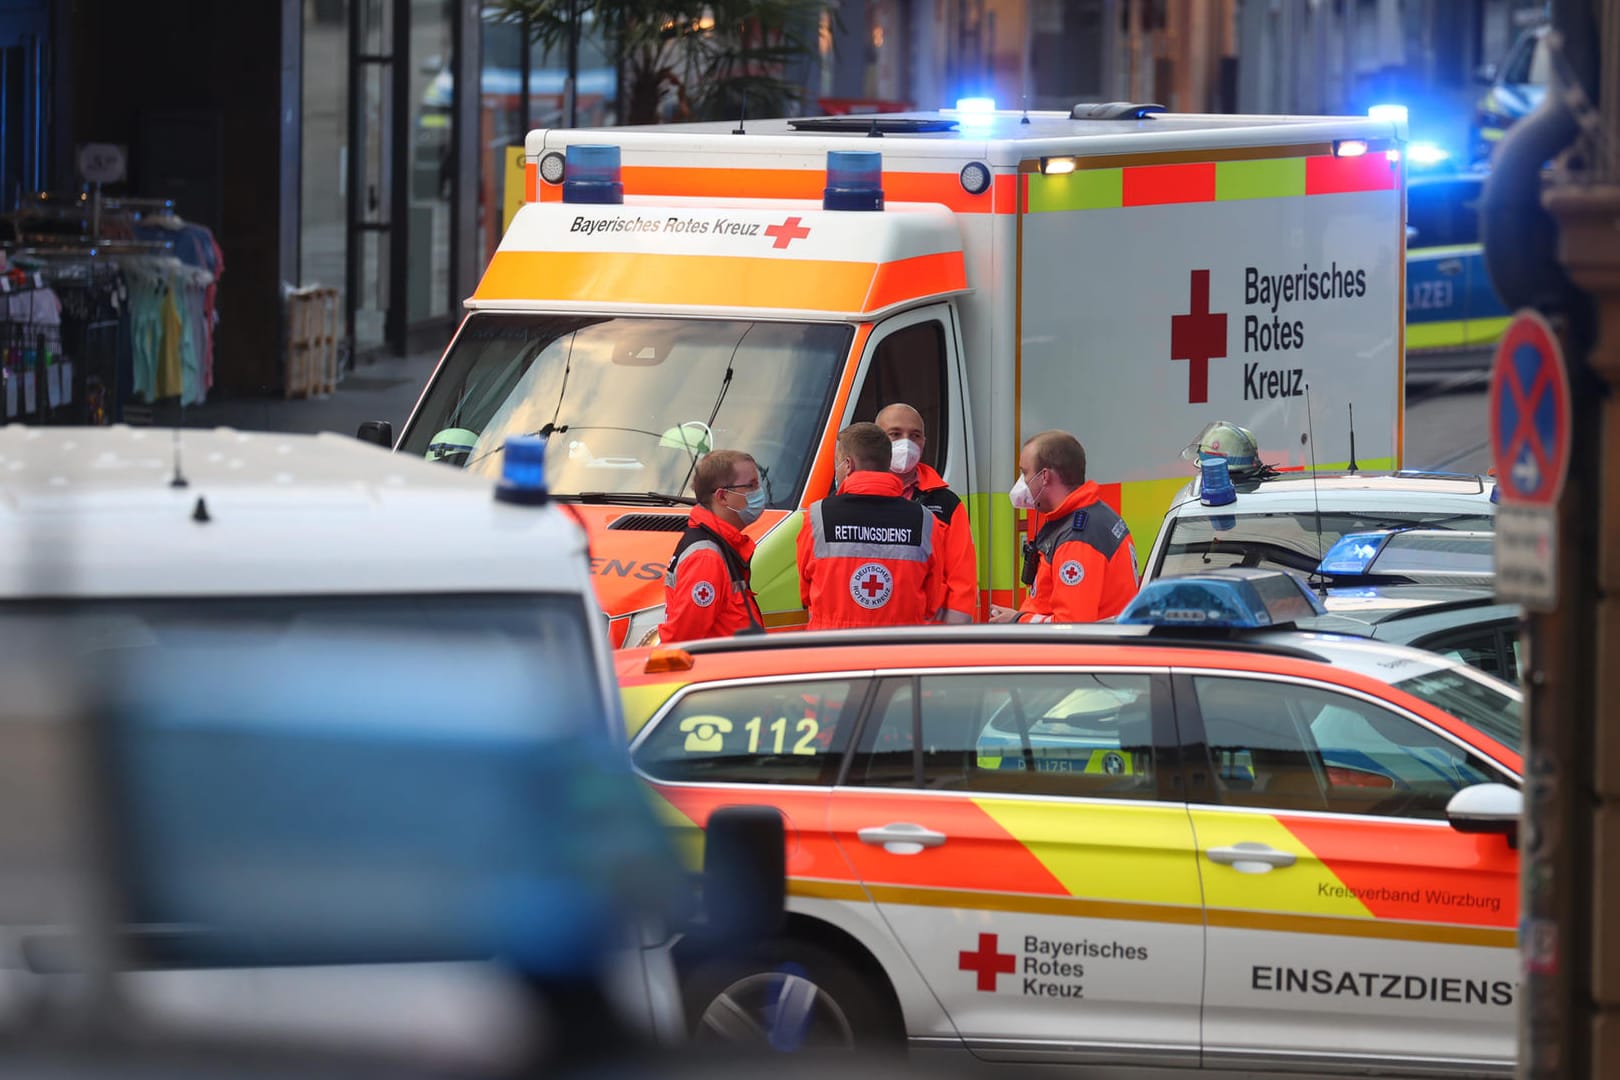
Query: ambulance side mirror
x=1487, y=808
x=379, y=432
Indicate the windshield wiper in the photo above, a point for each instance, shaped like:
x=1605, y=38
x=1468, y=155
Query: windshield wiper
x=656, y=498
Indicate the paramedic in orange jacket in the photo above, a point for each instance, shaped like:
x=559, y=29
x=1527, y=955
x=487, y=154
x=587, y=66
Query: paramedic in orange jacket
x=867, y=555
x=1087, y=562
x=952, y=534
x=706, y=589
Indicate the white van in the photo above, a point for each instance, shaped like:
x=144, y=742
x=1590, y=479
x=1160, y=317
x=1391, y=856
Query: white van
x=354, y=727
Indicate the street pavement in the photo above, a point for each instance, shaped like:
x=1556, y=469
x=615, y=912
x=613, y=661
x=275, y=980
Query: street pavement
x=382, y=389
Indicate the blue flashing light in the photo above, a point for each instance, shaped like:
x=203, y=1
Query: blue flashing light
x=1232, y=599
x=523, y=471
x=1427, y=154
x=1353, y=553
x=1216, y=488
x=1496, y=493
x=1395, y=114
x=854, y=180
x=591, y=175
x=978, y=105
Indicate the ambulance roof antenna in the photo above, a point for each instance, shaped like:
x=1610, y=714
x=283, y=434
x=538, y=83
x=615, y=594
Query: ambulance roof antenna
x=1025, y=120
x=1352, y=436
x=742, y=115
x=1316, y=498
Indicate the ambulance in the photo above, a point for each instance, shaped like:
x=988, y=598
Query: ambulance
x=1115, y=271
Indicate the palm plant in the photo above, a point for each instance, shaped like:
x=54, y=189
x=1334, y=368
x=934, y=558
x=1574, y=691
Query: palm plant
x=689, y=59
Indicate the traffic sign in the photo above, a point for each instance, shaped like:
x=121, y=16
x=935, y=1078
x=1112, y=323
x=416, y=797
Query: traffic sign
x=1526, y=548
x=101, y=163
x=1530, y=413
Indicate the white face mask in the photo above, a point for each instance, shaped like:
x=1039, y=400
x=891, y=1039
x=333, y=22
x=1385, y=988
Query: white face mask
x=904, y=455
x=1022, y=498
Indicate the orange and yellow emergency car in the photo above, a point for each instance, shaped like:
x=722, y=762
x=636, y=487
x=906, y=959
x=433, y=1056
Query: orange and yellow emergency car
x=1184, y=841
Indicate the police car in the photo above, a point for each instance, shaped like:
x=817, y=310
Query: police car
x=1452, y=310
x=1237, y=512
x=1430, y=589
x=1198, y=838
x=259, y=612
x=1515, y=88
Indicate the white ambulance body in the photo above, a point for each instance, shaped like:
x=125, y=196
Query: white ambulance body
x=1126, y=279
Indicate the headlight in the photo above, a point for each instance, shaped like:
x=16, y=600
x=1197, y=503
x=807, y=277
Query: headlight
x=644, y=627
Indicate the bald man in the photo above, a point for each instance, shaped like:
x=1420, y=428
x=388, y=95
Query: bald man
x=953, y=535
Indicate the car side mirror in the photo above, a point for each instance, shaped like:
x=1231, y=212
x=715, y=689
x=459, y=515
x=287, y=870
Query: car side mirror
x=1487, y=808
x=1485, y=73
x=744, y=876
x=379, y=432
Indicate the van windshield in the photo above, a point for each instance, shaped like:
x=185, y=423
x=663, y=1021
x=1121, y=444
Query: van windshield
x=628, y=404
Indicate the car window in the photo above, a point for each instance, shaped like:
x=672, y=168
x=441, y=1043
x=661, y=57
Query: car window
x=1286, y=746
x=1530, y=62
x=761, y=733
x=1478, y=647
x=1444, y=212
x=1028, y=733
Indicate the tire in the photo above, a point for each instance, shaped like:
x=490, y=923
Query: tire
x=830, y=1007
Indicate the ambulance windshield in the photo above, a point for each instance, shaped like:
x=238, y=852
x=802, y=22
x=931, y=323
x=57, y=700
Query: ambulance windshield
x=628, y=403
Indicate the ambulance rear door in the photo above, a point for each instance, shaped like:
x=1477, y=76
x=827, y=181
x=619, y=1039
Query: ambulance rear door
x=1157, y=294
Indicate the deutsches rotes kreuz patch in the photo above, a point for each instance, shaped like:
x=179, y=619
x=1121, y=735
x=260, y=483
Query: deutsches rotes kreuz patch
x=703, y=594
x=871, y=585
x=1071, y=573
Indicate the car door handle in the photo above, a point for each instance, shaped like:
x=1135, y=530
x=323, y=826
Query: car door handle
x=1250, y=858
x=901, y=837
x=1449, y=266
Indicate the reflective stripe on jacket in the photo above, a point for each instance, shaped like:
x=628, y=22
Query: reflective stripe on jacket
x=954, y=538
x=1088, y=562
x=867, y=557
x=707, y=591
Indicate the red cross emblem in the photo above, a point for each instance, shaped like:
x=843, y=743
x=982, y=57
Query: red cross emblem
x=787, y=232
x=988, y=963
x=871, y=585
x=703, y=594
x=1198, y=337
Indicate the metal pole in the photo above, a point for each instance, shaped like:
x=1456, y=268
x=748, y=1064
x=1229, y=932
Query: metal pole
x=572, y=89
x=525, y=73
x=1134, y=44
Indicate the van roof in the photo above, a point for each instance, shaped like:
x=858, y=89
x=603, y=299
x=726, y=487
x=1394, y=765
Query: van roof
x=95, y=512
x=1001, y=138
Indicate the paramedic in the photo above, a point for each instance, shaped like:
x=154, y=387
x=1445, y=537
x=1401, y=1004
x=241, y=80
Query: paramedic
x=952, y=533
x=867, y=554
x=1083, y=560
x=706, y=589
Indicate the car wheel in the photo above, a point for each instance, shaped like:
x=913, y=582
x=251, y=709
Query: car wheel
x=789, y=997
